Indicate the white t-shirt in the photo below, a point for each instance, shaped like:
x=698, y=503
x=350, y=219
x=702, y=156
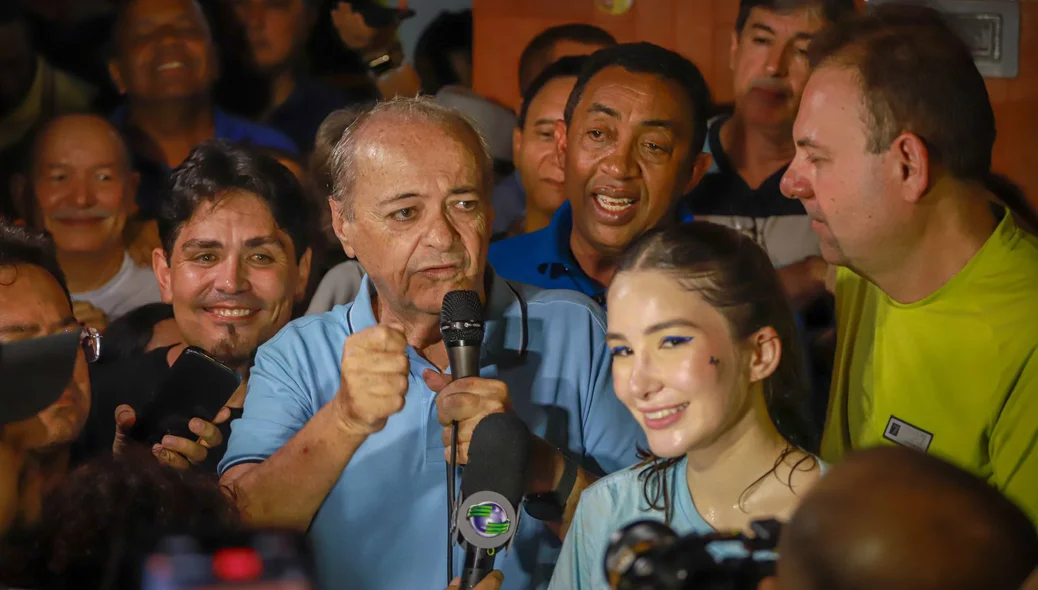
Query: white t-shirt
x=132, y=287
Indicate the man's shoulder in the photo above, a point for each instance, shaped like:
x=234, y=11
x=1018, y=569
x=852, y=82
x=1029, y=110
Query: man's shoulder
x=519, y=248
x=319, y=330
x=617, y=496
x=564, y=306
x=519, y=258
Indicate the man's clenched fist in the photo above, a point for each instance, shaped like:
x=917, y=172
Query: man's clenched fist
x=373, y=384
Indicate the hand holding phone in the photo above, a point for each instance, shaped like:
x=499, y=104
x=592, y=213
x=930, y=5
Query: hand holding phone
x=182, y=416
x=174, y=451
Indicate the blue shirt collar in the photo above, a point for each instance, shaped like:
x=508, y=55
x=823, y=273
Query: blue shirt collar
x=557, y=258
x=502, y=334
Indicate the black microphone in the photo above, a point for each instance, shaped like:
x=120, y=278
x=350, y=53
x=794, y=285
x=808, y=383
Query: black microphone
x=461, y=325
x=491, y=490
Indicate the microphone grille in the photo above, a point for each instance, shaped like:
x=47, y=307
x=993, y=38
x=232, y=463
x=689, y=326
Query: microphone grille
x=498, y=455
x=461, y=316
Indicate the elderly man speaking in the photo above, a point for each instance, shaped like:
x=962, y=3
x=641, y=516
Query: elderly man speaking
x=345, y=418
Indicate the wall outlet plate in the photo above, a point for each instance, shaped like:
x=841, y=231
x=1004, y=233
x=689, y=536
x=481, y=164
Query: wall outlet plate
x=991, y=29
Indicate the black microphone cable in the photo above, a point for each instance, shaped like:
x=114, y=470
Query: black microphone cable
x=452, y=473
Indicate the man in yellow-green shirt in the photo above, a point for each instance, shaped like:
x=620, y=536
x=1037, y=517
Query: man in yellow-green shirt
x=937, y=298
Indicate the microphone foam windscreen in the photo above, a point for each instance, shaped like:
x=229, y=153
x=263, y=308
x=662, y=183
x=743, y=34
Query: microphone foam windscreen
x=461, y=317
x=498, y=455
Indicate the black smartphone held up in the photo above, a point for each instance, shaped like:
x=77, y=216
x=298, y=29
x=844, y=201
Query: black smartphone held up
x=256, y=561
x=197, y=386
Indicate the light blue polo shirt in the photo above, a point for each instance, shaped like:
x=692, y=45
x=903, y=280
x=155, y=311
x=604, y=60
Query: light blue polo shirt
x=384, y=524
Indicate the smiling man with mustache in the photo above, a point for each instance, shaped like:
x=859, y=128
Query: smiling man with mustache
x=753, y=146
x=165, y=64
x=84, y=190
x=629, y=148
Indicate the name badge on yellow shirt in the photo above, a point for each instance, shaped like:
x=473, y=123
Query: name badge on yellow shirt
x=900, y=432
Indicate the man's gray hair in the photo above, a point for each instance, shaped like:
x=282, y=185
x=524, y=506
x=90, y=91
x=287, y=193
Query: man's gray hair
x=420, y=109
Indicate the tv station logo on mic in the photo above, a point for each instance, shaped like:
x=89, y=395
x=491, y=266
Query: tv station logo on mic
x=489, y=519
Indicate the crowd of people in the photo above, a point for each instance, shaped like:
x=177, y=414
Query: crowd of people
x=817, y=304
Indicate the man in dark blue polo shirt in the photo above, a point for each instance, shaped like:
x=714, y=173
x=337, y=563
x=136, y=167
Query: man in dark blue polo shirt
x=630, y=147
x=165, y=65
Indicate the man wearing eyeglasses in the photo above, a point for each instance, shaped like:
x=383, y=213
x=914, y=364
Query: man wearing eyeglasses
x=34, y=302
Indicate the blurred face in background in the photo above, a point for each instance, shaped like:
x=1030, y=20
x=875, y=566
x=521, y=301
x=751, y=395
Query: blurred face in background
x=232, y=277
x=32, y=304
x=769, y=64
x=165, y=51
x=534, y=147
x=83, y=184
x=276, y=29
x=560, y=49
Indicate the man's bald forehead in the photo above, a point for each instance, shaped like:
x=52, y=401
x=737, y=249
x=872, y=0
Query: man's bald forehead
x=84, y=124
x=388, y=125
x=397, y=119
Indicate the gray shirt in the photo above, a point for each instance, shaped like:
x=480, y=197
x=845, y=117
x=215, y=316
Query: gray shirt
x=130, y=288
x=339, y=286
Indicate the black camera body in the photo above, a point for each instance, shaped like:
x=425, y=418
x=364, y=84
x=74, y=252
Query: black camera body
x=649, y=555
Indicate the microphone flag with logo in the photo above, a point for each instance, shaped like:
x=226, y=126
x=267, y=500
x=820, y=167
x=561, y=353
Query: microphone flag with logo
x=491, y=490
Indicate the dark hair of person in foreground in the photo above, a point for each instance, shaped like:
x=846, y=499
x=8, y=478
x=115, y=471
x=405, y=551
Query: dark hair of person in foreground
x=102, y=522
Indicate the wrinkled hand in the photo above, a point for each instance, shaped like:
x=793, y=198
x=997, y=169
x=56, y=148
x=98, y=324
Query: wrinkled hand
x=374, y=379
x=89, y=315
x=493, y=581
x=352, y=29
x=465, y=401
x=177, y=452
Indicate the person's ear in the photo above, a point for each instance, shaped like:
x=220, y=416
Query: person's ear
x=700, y=165
x=733, y=50
x=560, y=142
x=913, y=166
x=115, y=72
x=341, y=226
x=517, y=141
x=303, y=280
x=160, y=265
x=765, y=353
